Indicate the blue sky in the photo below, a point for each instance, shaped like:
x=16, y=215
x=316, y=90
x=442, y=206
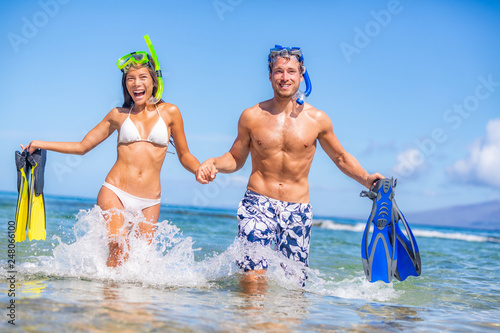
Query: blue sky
x=412, y=88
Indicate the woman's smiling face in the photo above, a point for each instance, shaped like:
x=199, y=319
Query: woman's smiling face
x=139, y=85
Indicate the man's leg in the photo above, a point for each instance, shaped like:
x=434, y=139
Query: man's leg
x=294, y=234
x=256, y=230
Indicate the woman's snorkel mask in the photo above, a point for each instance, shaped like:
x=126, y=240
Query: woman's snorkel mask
x=143, y=58
x=280, y=51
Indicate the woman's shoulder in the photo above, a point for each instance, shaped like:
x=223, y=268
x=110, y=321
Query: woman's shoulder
x=118, y=111
x=117, y=115
x=168, y=108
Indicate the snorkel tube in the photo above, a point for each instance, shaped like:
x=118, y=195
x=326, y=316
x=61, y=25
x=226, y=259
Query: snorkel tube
x=301, y=96
x=157, y=69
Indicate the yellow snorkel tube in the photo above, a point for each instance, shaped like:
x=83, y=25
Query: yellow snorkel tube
x=157, y=69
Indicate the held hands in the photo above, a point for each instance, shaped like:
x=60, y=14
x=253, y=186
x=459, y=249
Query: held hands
x=206, y=172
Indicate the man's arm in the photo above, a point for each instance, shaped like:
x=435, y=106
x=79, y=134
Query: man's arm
x=347, y=163
x=231, y=161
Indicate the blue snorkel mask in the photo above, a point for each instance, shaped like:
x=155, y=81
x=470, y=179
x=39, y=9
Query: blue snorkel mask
x=280, y=51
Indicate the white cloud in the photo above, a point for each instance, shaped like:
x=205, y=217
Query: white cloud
x=482, y=164
x=410, y=163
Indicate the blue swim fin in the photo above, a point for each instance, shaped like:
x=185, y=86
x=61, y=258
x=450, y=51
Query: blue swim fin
x=378, y=252
x=409, y=262
x=392, y=249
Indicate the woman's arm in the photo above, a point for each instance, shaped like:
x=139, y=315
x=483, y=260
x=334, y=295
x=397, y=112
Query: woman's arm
x=97, y=135
x=188, y=161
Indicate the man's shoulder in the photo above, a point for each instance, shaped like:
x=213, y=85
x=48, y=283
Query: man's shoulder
x=314, y=113
x=255, y=110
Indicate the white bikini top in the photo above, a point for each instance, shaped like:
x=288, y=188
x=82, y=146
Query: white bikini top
x=129, y=132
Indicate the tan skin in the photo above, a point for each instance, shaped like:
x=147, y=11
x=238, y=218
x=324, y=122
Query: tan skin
x=138, y=165
x=281, y=137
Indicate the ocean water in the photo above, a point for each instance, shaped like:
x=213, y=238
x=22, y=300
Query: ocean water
x=187, y=280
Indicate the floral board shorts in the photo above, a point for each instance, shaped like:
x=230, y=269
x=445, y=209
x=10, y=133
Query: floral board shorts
x=264, y=220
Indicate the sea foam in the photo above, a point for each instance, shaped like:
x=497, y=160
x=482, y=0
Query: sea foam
x=169, y=261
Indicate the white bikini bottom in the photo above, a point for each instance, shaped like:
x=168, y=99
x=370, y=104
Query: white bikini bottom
x=131, y=202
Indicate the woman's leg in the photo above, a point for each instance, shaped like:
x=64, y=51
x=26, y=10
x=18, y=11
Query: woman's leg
x=118, y=242
x=147, y=229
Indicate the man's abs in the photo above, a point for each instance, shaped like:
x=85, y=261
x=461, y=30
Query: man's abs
x=279, y=189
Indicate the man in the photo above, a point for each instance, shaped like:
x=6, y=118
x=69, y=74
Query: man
x=281, y=137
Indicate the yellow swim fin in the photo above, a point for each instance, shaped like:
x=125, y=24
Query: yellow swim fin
x=22, y=207
x=36, y=216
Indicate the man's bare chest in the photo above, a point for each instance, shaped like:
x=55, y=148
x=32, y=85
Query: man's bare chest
x=286, y=136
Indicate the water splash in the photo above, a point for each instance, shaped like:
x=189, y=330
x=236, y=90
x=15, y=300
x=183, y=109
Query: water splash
x=169, y=261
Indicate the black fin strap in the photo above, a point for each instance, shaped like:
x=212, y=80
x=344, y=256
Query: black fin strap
x=37, y=161
x=21, y=164
x=370, y=194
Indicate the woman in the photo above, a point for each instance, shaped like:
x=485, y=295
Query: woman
x=145, y=125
